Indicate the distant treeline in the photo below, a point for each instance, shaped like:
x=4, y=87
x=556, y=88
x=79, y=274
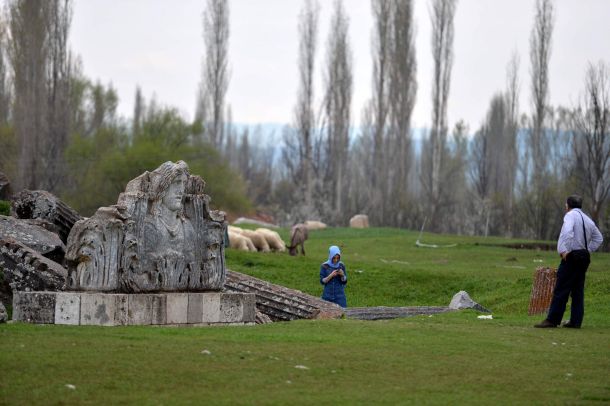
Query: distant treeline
x=60, y=131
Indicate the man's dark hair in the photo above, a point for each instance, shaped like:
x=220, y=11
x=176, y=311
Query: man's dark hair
x=574, y=202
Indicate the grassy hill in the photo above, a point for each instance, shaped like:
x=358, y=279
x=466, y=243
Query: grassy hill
x=442, y=359
x=386, y=268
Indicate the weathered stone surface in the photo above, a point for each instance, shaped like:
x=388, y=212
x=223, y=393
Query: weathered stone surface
x=27, y=270
x=281, y=303
x=3, y=314
x=99, y=309
x=67, y=308
x=140, y=309
x=5, y=187
x=211, y=308
x=195, y=308
x=34, y=307
x=177, y=308
x=42, y=205
x=34, y=236
x=262, y=318
x=384, y=313
x=110, y=309
x=161, y=236
x=462, y=300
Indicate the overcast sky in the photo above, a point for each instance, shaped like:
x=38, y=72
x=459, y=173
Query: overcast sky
x=158, y=45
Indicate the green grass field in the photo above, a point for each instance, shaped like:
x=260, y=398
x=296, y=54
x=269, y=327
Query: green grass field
x=451, y=358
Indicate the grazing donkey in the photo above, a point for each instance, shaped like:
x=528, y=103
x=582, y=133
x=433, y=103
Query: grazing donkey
x=298, y=236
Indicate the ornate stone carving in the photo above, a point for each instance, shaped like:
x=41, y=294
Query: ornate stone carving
x=161, y=236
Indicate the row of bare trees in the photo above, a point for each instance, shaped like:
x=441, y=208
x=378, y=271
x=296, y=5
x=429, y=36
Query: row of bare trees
x=509, y=178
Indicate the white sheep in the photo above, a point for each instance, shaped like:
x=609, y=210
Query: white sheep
x=258, y=239
x=273, y=239
x=240, y=242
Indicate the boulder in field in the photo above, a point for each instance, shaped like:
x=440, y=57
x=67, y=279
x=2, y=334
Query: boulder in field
x=462, y=300
x=359, y=221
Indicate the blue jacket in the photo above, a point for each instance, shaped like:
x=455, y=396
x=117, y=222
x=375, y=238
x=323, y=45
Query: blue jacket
x=334, y=290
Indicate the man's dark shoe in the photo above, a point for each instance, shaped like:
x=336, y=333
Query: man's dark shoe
x=569, y=324
x=545, y=324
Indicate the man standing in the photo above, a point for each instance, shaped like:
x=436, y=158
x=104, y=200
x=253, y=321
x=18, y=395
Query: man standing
x=579, y=236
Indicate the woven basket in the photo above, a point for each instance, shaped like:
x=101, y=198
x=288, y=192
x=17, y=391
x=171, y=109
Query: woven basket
x=542, y=290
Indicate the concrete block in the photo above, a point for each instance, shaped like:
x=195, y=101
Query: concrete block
x=67, y=308
x=177, y=308
x=195, y=308
x=211, y=308
x=34, y=307
x=104, y=309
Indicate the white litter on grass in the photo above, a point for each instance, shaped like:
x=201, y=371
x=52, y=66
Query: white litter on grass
x=300, y=367
x=538, y=260
x=288, y=382
x=206, y=352
x=485, y=316
x=70, y=386
x=568, y=374
x=554, y=343
x=394, y=261
x=359, y=270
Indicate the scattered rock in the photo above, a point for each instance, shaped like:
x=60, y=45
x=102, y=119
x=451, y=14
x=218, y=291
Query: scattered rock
x=3, y=314
x=39, y=239
x=42, y=205
x=462, y=300
x=27, y=270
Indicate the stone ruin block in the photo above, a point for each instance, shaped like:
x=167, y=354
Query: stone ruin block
x=145, y=309
x=34, y=307
x=47, y=208
x=177, y=308
x=67, y=308
x=160, y=237
x=99, y=309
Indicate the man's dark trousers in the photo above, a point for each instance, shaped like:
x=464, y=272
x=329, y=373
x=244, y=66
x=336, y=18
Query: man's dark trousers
x=570, y=281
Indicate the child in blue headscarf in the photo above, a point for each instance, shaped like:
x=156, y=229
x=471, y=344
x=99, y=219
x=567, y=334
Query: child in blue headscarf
x=334, y=277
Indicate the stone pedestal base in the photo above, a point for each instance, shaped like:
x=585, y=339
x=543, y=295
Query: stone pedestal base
x=108, y=309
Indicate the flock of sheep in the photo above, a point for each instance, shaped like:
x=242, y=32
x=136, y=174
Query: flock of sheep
x=266, y=240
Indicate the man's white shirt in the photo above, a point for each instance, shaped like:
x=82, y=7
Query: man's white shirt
x=572, y=238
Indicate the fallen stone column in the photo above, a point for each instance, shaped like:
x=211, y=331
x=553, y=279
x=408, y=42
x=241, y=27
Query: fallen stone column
x=42, y=205
x=383, y=312
x=280, y=303
x=27, y=270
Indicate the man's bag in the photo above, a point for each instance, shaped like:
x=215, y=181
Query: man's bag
x=542, y=290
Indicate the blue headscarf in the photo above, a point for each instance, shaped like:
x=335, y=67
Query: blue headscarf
x=332, y=251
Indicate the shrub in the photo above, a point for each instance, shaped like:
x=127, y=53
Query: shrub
x=5, y=207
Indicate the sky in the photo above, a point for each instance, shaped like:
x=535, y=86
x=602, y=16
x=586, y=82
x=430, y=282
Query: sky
x=158, y=45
